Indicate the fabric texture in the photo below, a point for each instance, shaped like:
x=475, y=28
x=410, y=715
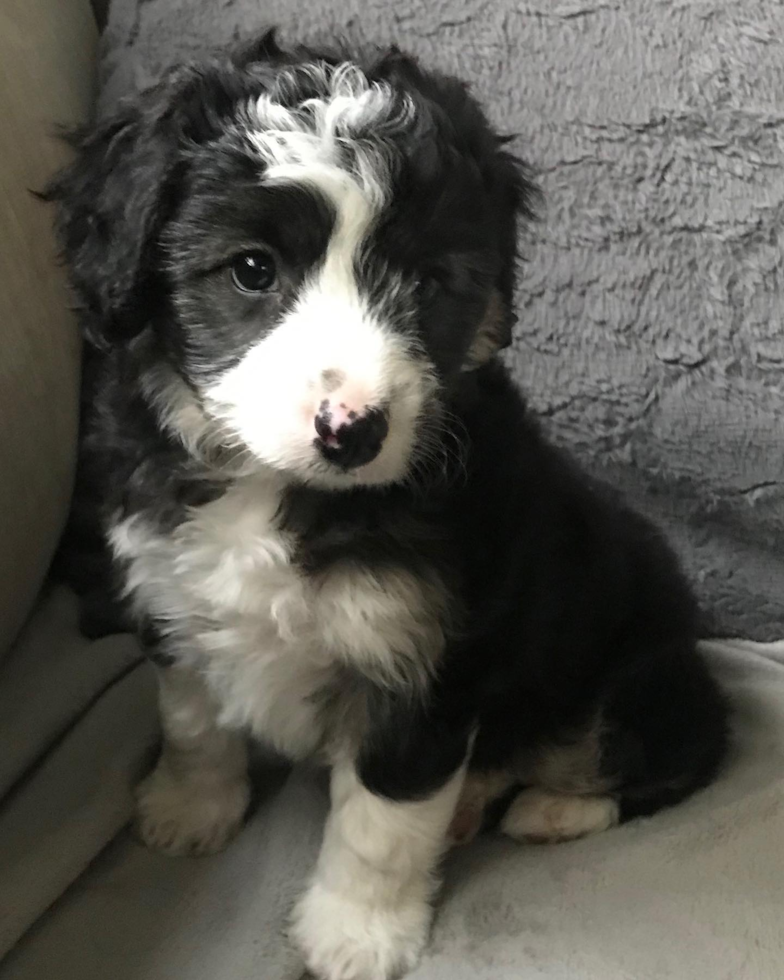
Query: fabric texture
x=47, y=54
x=650, y=334
x=694, y=892
x=76, y=721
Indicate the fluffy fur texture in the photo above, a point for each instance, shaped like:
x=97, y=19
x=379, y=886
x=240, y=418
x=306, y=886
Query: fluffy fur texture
x=330, y=515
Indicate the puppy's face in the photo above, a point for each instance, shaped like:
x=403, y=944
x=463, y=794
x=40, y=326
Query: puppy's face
x=333, y=247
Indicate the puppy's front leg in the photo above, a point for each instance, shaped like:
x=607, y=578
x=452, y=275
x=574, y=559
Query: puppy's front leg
x=196, y=797
x=366, y=915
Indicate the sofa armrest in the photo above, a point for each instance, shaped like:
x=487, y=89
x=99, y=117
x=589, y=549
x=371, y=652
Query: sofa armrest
x=47, y=56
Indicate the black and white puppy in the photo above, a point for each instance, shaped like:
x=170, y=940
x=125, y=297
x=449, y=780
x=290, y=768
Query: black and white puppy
x=337, y=526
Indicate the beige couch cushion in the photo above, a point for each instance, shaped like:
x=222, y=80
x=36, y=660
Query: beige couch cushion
x=76, y=719
x=47, y=50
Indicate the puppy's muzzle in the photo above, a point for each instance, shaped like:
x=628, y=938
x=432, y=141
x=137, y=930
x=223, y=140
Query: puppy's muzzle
x=349, y=437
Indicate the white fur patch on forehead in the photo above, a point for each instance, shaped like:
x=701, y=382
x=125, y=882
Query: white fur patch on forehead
x=334, y=140
x=346, y=101
x=322, y=140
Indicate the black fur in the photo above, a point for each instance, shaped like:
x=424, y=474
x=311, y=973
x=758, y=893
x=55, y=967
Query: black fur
x=564, y=604
x=571, y=604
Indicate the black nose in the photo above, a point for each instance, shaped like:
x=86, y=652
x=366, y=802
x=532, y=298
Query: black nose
x=349, y=441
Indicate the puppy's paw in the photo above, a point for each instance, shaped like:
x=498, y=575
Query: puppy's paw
x=540, y=817
x=343, y=939
x=192, y=815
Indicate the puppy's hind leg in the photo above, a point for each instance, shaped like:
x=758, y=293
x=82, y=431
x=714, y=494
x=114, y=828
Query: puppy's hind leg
x=667, y=731
x=552, y=793
x=659, y=736
x=568, y=789
x=195, y=799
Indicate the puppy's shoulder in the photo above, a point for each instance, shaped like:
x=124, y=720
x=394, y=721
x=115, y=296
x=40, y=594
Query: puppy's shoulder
x=502, y=432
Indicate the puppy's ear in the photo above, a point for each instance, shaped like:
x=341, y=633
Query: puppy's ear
x=493, y=334
x=519, y=199
x=115, y=196
x=512, y=194
x=264, y=48
x=516, y=197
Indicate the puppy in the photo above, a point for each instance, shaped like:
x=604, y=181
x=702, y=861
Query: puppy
x=334, y=522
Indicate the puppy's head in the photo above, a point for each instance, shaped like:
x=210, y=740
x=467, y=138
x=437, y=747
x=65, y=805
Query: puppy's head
x=310, y=249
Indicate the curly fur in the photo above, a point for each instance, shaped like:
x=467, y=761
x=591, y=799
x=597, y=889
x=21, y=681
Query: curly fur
x=455, y=598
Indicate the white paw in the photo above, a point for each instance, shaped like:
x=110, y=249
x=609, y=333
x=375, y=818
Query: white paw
x=193, y=815
x=539, y=816
x=343, y=939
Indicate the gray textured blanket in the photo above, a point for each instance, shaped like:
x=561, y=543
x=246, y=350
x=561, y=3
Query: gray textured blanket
x=695, y=893
x=650, y=335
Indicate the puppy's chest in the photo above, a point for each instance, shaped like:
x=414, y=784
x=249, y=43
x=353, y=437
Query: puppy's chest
x=271, y=639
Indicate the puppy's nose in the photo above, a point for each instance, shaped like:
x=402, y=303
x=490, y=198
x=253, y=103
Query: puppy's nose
x=349, y=437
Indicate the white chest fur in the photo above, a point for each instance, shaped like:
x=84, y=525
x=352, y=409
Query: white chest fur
x=268, y=638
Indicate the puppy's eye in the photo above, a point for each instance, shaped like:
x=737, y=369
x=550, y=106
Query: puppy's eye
x=426, y=287
x=253, y=272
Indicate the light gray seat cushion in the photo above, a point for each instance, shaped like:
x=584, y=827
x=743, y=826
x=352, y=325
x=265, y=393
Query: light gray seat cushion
x=76, y=720
x=693, y=893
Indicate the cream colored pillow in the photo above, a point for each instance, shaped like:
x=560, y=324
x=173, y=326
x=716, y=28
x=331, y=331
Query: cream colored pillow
x=47, y=52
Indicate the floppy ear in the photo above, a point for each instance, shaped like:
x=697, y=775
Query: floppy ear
x=516, y=196
x=264, y=49
x=519, y=199
x=512, y=193
x=114, y=198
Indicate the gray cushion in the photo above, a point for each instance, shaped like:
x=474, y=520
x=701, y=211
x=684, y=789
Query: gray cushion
x=695, y=892
x=76, y=720
x=47, y=52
